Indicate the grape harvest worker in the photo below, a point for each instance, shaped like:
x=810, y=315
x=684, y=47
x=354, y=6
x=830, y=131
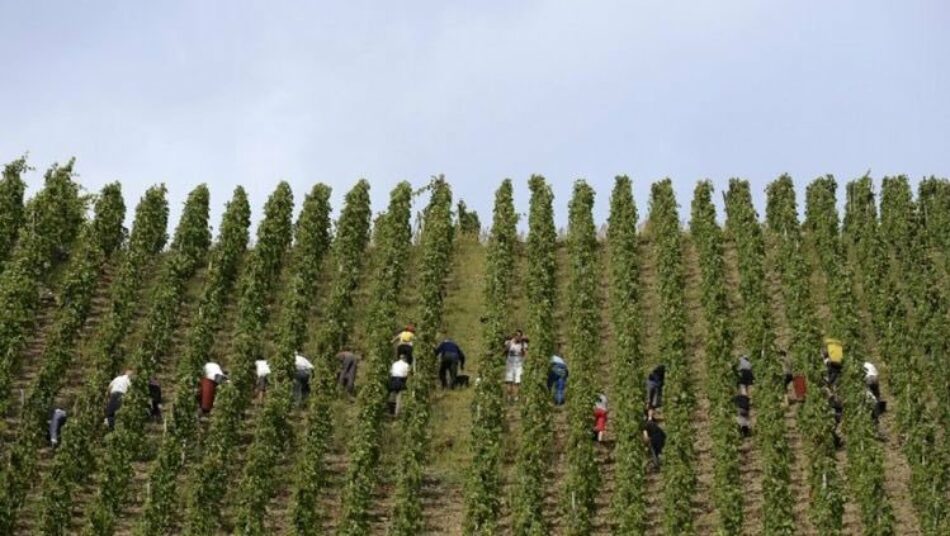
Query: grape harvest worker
x=398, y=376
x=655, y=437
x=600, y=417
x=833, y=354
x=451, y=360
x=262, y=373
x=155, y=398
x=744, y=408
x=404, y=340
x=212, y=376
x=871, y=380
x=516, y=348
x=117, y=389
x=56, y=422
x=746, y=378
x=557, y=379
x=347, y=375
x=303, y=370
x=655, y=390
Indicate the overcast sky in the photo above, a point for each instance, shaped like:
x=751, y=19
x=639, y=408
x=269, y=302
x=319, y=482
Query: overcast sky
x=254, y=92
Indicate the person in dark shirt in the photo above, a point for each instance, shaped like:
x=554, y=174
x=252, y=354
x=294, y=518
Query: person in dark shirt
x=655, y=390
x=744, y=407
x=655, y=437
x=451, y=360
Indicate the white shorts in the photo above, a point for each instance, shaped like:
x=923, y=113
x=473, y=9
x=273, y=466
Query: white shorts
x=513, y=370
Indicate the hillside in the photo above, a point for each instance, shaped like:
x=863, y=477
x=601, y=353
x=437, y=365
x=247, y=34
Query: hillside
x=878, y=282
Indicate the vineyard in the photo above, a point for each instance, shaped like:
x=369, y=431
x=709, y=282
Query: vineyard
x=82, y=298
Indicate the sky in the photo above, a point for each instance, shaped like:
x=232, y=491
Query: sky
x=235, y=92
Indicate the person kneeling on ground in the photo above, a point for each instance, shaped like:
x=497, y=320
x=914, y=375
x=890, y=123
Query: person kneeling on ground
x=557, y=379
x=600, y=418
x=398, y=375
x=451, y=360
x=56, y=422
x=655, y=437
x=303, y=370
x=117, y=389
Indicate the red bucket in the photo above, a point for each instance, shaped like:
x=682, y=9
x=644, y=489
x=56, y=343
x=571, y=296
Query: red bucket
x=207, y=394
x=798, y=384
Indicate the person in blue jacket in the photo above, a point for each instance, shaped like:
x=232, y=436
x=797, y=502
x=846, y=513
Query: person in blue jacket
x=451, y=360
x=557, y=379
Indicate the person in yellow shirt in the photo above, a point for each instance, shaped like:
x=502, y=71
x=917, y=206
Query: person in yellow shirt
x=404, y=340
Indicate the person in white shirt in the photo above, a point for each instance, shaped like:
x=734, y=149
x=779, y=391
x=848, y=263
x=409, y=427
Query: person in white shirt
x=117, y=389
x=398, y=375
x=262, y=371
x=515, y=350
x=870, y=378
x=212, y=376
x=215, y=373
x=303, y=370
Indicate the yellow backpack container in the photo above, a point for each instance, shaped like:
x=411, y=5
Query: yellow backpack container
x=835, y=350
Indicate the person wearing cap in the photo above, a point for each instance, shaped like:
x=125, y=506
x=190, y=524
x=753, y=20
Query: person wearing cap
x=118, y=387
x=303, y=370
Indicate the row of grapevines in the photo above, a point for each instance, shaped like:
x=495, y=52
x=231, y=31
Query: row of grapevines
x=159, y=513
x=678, y=471
x=759, y=340
x=209, y=477
x=707, y=236
x=826, y=506
x=19, y=469
x=128, y=441
x=917, y=377
x=348, y=255
x=436, y=244
x=866, y=463
x=12, y=189
x=484, y=490
x=629, y=502
x=532, y=461
x=930, y=293
x=74, y=460
x=272, y=427
x=365, y=444
x=583, y=477
x=52, y=222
